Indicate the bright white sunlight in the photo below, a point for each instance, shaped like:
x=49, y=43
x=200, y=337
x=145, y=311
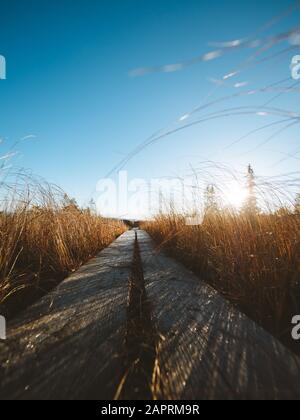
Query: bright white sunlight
x=236, y=195
x=149, y=203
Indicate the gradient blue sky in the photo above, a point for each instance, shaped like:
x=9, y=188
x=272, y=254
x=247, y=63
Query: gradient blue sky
x=68, y=83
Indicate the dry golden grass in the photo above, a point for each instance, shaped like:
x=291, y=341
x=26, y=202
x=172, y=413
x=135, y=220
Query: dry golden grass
x=254, y=261
x=43, y=237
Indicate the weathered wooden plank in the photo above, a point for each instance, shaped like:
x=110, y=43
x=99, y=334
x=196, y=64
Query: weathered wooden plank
x=207, y=349
x=69, y=345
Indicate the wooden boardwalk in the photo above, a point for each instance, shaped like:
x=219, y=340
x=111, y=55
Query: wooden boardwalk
x=131, y=306
x=207, y=349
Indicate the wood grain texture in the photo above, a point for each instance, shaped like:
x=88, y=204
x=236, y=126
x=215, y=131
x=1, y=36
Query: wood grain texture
x=207, y=349
x=69, y=345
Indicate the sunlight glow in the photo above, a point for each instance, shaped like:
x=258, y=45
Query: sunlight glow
x=236, y=195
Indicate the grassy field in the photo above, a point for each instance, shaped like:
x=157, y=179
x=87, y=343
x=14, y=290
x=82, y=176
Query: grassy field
x=254, y=261
x=43, y=237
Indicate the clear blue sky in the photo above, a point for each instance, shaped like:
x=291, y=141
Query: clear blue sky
x=68, y=83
